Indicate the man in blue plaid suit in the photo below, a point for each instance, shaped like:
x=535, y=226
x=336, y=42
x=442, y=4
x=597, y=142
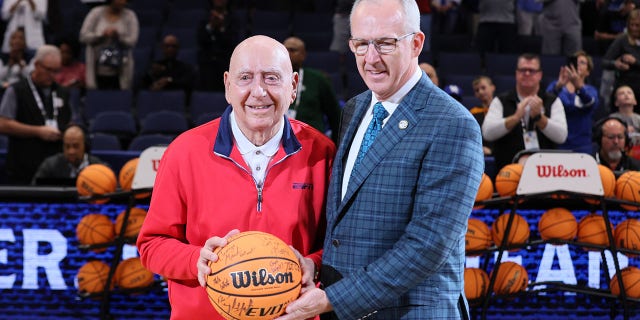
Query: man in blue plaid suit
x=394, y=247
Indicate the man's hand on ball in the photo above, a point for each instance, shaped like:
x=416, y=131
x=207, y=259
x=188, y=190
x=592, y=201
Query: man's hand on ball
x=206, y=255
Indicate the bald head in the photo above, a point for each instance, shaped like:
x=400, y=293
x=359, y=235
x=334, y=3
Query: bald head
x=260, y=47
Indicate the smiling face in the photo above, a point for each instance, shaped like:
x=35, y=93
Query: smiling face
x=260, y=85
x=385, y=73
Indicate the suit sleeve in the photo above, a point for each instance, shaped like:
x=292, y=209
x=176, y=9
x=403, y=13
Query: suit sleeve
x=445, y=188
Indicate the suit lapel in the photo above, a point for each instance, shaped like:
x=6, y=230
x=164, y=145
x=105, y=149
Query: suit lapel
x=401, y=122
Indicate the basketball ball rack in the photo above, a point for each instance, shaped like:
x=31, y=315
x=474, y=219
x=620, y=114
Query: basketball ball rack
x=569, y=193
x=142, y=183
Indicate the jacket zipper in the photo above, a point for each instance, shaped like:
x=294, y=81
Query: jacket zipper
x=258, y=186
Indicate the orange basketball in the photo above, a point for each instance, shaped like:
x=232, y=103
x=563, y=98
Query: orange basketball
x=558, y=223
x=256, y=276
x=608, y=183
x=630, y=280
x=96, y=179
x=95, y=228
x=92, y=277
x=130, y=274
x=518, y=234
x=485, y=191
x=476, y=283
x=592, y=229
x=134, y=222
x=627, y=234
x=511, y=278
x=628, y=188
x=508, y=178
x=126, y=175
x=478, y=236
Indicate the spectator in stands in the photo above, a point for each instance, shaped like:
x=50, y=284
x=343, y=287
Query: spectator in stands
x=445, y=15
x=625, y=101
x=14, y=65
x=579, y=99
x=623, y=56
x=169, y=73
x=497, y=31
x=73, y=72
x=484, y=90
x=560, y=27
x=110, y=32
x=215, y=42
x=29, y=15
x=341, y=32
x=524, y=118
x=256, y=151
x=611, y=22
x=431, y=73
x=612, y=139
x=68, y=163
x=315, y=98
x=528, y=17
x=424, y=6
x=31, y=113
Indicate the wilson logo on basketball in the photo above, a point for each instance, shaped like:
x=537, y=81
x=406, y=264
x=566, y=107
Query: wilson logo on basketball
x=244, y=279
x=559, y=171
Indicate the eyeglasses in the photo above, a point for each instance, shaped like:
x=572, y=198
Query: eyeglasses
x=527, y=70
x=49, y=69
x=615, y=136
x=382, y=45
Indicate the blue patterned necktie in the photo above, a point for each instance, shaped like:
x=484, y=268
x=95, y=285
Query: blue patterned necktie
x=379, y=113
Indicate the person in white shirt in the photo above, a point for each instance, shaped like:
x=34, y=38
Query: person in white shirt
x=524, y=118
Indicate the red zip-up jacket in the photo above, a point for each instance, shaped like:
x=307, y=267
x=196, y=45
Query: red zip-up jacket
x=204, y=188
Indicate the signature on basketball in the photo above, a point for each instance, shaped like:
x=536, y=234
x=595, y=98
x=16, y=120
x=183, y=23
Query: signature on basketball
x=232, y=252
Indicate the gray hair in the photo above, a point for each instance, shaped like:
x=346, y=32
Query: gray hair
x=410, y=12
x=44, y=51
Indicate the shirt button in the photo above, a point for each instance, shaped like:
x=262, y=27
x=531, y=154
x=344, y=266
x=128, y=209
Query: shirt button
x=258, y=152
x=258, y=168
x=335, y=242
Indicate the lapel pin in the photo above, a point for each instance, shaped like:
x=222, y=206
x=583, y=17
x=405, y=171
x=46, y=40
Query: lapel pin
x=403, y=124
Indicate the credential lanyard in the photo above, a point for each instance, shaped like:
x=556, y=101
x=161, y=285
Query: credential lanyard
x=48, y=122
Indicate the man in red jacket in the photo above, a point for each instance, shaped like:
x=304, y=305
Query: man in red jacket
x=251, y=169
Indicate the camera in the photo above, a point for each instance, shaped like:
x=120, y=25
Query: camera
x=572, y=61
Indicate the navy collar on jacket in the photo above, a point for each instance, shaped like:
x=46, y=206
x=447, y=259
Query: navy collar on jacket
x=224, y=139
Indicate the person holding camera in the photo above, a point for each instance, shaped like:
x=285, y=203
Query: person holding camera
x=579, y=99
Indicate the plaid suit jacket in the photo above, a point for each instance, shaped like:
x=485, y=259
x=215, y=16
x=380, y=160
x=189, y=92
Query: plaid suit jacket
x=394, y=247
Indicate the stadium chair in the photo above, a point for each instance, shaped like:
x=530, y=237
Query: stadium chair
x=186, y=18
x=97, y=101
x=150, y=101
x=170, y=123
x=265, y=19
x=315, y=41
x=118, y=123
x=147, y=37
x=551, y=64
x=501, y=63
x=142, y=142
x=461, y=80
x=327, y=61
x=188, y=36
x=104, y=141
x=4, y=141
x=204, y=118
x=207, y=102
x=504, y=83
x=450, y=63
x=312, y=22
x=149, y=17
